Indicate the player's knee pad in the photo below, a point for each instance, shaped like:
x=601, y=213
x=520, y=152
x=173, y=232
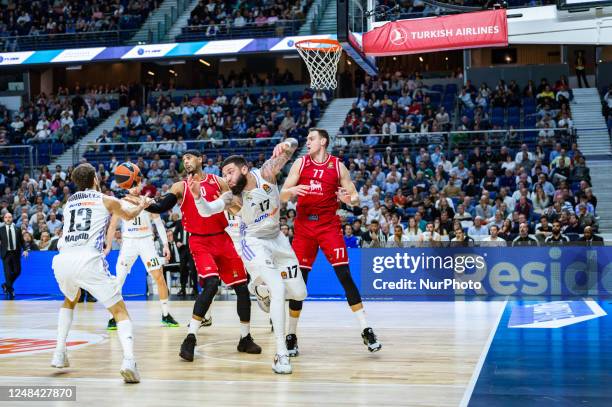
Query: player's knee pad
x=350, y=289
x=205, y=298
x=243, y=302
x=295, y=305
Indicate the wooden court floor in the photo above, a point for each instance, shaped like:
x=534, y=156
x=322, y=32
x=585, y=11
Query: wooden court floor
x=430, y=353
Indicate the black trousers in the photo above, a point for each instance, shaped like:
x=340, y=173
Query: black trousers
x=12, y=268
x=188, y=270
x=581, y=75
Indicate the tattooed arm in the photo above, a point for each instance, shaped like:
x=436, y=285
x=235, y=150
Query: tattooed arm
x=281, y=156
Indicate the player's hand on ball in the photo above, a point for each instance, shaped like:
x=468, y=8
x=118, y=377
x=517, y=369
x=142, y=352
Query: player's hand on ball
x=299, y=190
x=279, y=149
x=344, y=196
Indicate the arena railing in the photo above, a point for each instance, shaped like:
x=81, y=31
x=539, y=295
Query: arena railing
x=448, y=140
x=123, y=151
x=21, y=156
x=71, y=40
x=279, y=28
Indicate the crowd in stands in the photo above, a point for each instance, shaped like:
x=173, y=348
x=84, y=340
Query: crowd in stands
x=44, y=17
x=43, y=21
x=219, y=18
x=426, y=188
x=60, y=118
x=397, y=103
x=166, y=126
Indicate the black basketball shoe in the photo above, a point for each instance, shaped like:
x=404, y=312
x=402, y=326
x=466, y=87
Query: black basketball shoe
x=292, y=345
x=370, y=340
x=188, y=347
x=247, y=345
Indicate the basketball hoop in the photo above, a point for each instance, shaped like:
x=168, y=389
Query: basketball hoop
x=321, y=57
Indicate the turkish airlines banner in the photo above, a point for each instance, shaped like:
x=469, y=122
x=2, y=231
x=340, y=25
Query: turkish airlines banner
x=469, y=30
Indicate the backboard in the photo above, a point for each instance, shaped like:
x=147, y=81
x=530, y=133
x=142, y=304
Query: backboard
x=353, y=20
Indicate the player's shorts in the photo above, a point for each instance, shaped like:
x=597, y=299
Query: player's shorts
x=312, y=233
x=269, y=258
x=143, y=247
x=215, y=255
x=85, y=267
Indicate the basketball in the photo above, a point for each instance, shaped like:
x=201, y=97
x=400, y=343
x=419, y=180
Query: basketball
x=127, y=175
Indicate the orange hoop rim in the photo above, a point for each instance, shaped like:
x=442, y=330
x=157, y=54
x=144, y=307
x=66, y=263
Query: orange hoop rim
x=335, y=45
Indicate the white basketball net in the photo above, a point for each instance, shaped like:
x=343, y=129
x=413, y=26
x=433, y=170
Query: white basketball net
x=321, y=58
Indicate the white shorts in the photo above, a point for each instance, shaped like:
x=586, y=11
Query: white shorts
x=85, y=267
x=143, y=247
x=266, y=258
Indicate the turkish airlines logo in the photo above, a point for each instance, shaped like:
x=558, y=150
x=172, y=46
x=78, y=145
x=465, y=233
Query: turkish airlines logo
x=398, y=36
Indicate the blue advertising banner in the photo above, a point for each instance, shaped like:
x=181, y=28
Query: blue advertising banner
x=509, y=271
x=404, y=273
x=37, y=275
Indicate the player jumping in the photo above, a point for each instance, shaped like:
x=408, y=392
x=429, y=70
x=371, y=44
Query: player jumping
x=137, y=241
x=81, y=264
x=319, y=180
x=213, y=252
x=267, y=252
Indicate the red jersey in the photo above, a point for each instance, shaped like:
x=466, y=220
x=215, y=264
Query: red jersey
x=192, y=221
x=324, y=180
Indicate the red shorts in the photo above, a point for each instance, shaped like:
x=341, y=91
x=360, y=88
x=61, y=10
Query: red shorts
x=216, y=256
x=311, y=234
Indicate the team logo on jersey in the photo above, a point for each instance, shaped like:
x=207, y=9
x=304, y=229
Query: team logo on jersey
x=284, y=275
x=315, y=186
x=330, y=165
x=266, y=188
x=235, y=274
x=22, y=342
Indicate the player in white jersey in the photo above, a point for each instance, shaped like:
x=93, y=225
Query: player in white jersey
x=138, y=241
x=266, y=252
x=81, y=263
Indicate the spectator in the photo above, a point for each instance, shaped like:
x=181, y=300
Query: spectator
x=523, y=239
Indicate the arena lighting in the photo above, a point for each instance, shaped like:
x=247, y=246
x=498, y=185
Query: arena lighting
x=292, y=56
x=74, y=68
x=228, y=60
x=172, y=71
x=151, y=73
x=421, y=59
x=204, y=62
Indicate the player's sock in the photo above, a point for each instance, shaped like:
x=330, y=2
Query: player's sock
x=293, y=322
x=194, y=324
x=164, y=307
x=126, y=337
x=245, y=329
x=64, y=321
x=360, y=314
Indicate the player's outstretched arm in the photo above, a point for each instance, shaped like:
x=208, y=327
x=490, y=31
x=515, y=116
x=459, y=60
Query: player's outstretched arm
x=161, y=230
x=291, y=187
x=347, y=192
x=280, y=157
x=169, y=200
x=205, y=208
x=110, y=233
x=116, y=209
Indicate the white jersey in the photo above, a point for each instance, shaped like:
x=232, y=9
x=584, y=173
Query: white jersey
x=260, y=209
x=138, y=227
x=85, y=220
x=233, y=226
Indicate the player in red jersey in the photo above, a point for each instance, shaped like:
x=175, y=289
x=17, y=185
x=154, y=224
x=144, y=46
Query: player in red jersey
x=320, y=180
x=212, y=249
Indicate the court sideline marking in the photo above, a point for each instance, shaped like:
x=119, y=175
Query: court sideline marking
x=483, y=355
